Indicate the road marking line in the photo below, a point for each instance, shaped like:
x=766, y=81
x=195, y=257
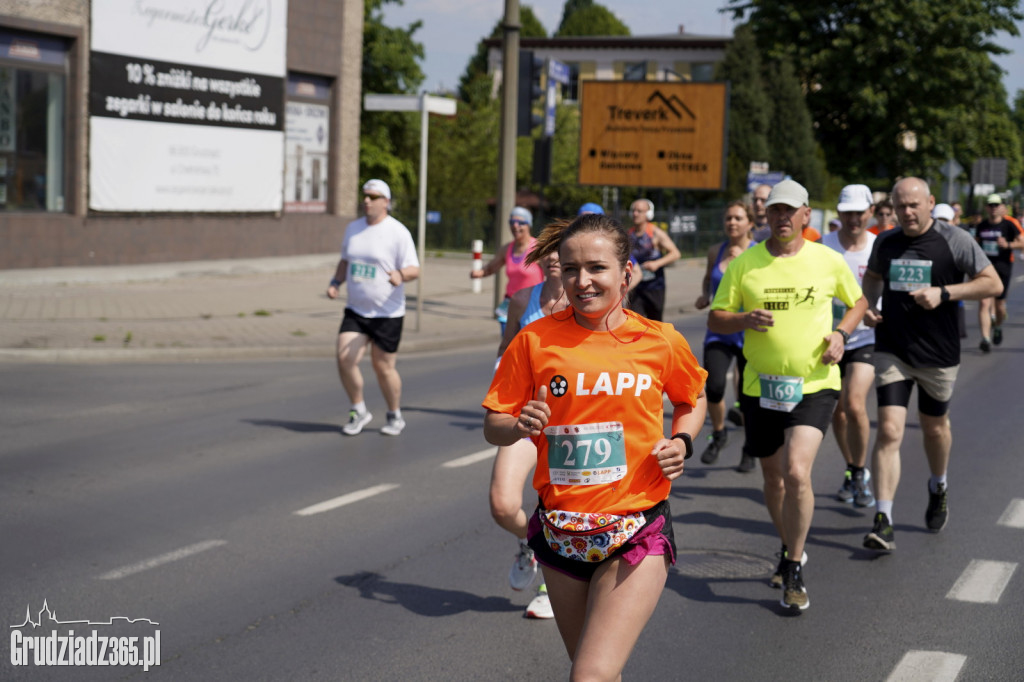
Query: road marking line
x=346, y=499
x=1014, y=515
x=176, y=555
x=982, y=581
x=930, y=666
x=471, y=459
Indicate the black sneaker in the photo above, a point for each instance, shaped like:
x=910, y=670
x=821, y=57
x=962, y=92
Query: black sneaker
x=716, y=441
x=747, y=463
x=985, y=346
x=997, y=336
x=776, y=579
x=937, y=514
x=845, y=493
x=794, y=594
x=735, y=415
x=881, y=536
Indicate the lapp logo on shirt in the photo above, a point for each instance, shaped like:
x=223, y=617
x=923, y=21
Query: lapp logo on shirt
x=605, y=383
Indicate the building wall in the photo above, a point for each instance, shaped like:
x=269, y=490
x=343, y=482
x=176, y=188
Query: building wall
x=324, y=39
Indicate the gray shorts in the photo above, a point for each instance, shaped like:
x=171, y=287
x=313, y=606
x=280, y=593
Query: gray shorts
x=937, y=382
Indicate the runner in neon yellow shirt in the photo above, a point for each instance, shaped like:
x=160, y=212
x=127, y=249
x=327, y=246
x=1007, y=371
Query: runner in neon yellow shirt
x=791, y=382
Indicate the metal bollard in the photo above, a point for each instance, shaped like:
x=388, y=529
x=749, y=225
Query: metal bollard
x=478, y=263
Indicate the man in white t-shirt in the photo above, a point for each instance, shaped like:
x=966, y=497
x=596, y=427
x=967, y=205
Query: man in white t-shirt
x=377, y=257
x=850, y=421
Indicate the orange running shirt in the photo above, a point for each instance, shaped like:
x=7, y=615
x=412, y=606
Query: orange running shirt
x=605, y=391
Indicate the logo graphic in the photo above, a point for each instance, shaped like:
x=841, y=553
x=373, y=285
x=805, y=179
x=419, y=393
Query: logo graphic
x=558, y=386
x=807, y=297
x=93, y=649
x=672, y=102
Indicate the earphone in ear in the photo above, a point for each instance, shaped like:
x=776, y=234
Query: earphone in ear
x=650, y=209
x=628, y=278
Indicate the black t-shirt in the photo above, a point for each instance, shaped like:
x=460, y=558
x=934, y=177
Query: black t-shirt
x=988, y=237
x=941, y=256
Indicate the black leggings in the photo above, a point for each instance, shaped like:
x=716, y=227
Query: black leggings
x=717, y=358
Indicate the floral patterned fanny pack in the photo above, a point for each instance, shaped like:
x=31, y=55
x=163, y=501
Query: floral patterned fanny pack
x=585, y=536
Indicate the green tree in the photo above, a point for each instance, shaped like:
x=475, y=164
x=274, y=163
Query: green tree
x=875, y=70
x=791, y=131
x=749, y=109
x=590, y=19
x=470, y=85
x=389, y=141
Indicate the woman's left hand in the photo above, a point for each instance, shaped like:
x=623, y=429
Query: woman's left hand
x=671, y=456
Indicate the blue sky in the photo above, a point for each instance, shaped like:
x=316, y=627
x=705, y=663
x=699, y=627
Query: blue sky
x=452, y=28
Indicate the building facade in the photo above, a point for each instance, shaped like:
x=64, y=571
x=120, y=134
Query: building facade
x=138, y=131
x=671, y=57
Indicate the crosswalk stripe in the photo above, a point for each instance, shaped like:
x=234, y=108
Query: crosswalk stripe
x=471, y=459
x=176, y=555
x=982, y=581
x=930, y=666
x=1014, y=514
x=341, y=501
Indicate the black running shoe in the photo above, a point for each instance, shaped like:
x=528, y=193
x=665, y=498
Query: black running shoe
x=716, y=441
x=881, y=536
x=776, y=579
x=747, y=463
x=997, y=336
x=937, y=514
x=985, y=346
x=794, y=594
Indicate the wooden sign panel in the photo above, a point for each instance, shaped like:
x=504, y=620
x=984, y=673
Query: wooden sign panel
x=653, y=134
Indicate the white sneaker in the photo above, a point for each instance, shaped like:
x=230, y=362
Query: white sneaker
x=524, y=568
x=393, y=427
x=356, y=422
x=540, y=607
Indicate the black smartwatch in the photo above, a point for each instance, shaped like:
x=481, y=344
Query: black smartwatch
x=846, y=337
x=685, y=437
x=944, y=296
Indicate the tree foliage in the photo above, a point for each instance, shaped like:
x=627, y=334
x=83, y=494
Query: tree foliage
x=749, y=109
x=590, y=19
x=470, y=86
x=389, y=141
x=874, y=70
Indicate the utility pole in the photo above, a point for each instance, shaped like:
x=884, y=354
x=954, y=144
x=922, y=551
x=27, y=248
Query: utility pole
x=507, y=152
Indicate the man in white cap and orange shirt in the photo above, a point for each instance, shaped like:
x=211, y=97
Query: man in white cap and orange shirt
x=378, y=257
x=850, y=421
x=779, y=293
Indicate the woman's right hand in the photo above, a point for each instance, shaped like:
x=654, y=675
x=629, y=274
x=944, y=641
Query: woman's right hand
x=702, y=302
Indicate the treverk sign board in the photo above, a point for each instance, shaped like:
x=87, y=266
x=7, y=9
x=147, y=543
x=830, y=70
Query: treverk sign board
x=653, y=134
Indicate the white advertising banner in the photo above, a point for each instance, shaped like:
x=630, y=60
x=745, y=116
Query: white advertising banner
x=239, y=35
x=186, y=105
x=210, y=169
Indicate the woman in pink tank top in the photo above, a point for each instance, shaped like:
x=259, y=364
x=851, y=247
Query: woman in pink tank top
x=512, y=257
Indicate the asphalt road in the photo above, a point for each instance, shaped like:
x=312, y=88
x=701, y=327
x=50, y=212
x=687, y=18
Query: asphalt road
x=216, y=500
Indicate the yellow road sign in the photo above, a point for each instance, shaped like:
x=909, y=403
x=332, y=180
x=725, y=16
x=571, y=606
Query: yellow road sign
x=653, y=134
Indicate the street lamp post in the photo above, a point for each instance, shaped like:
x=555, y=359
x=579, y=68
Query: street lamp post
x=425, y=104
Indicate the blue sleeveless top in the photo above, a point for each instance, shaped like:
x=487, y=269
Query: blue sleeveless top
x=532, y=311
x=716, y=279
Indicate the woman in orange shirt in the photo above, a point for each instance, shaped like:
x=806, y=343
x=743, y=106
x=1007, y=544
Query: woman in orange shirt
x=586, y=385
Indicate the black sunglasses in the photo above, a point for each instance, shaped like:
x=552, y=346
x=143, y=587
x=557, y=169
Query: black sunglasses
x=373, y=197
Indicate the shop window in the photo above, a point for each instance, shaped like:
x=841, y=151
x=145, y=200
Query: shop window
x=33, y=84
x=307, y=142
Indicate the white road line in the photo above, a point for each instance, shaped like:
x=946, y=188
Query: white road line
x=471, y=459
x=1014, y=514
x=927, y=666
x=982, y=581
x=346, y=499
x=176, y=555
